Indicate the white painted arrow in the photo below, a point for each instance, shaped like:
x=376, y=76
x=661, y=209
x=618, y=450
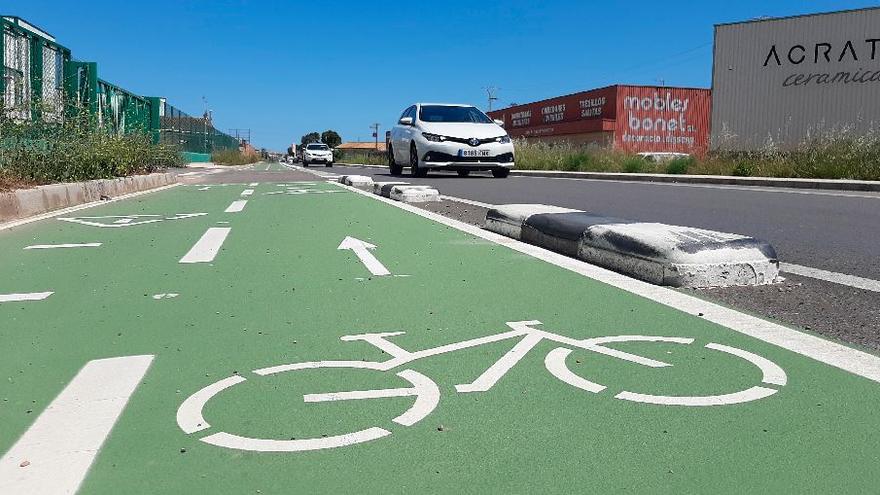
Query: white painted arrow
x=361, y=250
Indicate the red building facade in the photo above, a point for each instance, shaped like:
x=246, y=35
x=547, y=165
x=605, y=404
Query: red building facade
x=628, y=118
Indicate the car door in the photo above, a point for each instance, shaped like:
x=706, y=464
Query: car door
x=402, y=136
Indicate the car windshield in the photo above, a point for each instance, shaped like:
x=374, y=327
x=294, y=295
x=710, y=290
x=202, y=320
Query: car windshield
x=443, y=113
x=322, y=147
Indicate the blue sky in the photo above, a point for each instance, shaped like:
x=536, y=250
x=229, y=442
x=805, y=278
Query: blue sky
x=284, y=68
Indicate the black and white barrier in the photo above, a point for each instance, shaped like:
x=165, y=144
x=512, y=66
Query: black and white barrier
x=384, y=188
x=658, y=253
x=359, y=181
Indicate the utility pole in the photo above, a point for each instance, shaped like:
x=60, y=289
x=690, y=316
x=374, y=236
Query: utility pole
x=207, y=116
x=375, y=128
x=492, y=92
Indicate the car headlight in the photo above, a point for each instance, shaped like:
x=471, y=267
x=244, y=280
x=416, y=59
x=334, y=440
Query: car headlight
x=433, y=137
x=503, y=139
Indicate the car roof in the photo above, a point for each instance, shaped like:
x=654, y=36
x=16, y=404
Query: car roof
x=444, y=104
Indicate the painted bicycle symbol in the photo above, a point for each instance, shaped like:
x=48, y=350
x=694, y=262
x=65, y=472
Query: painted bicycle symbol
x=426, y=394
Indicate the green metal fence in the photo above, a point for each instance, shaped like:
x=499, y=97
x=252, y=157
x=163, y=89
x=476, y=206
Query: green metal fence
x=191, y=134
x=42, y=82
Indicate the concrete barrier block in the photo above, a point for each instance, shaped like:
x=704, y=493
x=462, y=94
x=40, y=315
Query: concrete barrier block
x=384, y=188
x=680, y=256
x=657, y=253
x=359, y=181
x=508, y=220
x=414, y=194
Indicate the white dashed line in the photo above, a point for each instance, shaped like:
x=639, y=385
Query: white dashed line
x=31, y=296
x=63, y=442
x=64, y=246
x=253, y=184
x=236, y=206
x=837, y=278
x=247, y=192
x=207, y=247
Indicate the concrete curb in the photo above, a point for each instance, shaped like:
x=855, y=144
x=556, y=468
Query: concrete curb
x=658, y=253
x=827, y=184
x=23, y=203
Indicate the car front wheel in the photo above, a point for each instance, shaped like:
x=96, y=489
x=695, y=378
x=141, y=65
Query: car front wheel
x=414, y=168
x=392, y=163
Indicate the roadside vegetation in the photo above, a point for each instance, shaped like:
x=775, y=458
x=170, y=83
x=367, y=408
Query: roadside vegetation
x=838, y=154
x=234, y=157
x=360, y=157
x=34, y=153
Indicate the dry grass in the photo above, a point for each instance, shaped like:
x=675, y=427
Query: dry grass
x=234, y=157
x=837, y=154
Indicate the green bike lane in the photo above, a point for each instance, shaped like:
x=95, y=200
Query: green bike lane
x=280, y=291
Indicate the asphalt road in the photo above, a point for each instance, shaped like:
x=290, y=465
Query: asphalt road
x=835, y=231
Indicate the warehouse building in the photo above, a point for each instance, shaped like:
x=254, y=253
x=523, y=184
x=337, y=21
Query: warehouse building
x=782, y=80
x=628, y=118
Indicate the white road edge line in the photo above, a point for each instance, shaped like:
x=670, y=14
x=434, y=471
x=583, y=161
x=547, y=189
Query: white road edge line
x=207, y=247
x=30, y=296
x=64, y=211
x=468, y=201
x=63, y=246
x=831, y=353
x=62, y=443
x=834, y=277
x=752, y=188
x=236, y=206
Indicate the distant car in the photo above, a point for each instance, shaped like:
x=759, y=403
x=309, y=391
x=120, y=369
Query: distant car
x=662, y=156
x=317, y=153
x=449, y=137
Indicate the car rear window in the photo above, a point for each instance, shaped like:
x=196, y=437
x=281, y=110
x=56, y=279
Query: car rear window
x=442, y=113
x=317, y=147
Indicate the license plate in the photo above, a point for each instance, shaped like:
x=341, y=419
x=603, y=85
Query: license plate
x=473, y=153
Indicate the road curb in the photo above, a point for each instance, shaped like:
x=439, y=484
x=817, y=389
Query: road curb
x=384, y=188
x=826, y=184
x=661, y=254
x=24, y=203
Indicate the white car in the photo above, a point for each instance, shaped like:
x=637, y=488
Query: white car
x=449, y=137
x=317, y=152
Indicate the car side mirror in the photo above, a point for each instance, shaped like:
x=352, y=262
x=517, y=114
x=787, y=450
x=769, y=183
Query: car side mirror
x=499, y=122
x=406, y=121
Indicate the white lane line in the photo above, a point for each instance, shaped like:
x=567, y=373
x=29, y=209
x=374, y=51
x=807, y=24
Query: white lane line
x=64, y=211
x=831, y=353
x=58, y=449
x=837, y=278
x=64, y=246
x=247, y=192
x=236, y=206
x=468, y=201
x=206, y=188
x=207, y=247
x=30, y=296
x=253, y=184
x=755, y=188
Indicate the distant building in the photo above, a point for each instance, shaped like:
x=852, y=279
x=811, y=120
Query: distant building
x=628, y=118
x=779, y=80
x=363, y=146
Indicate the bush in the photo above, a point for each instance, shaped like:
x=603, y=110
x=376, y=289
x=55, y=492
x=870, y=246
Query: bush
x=634, y=164
x=234, y=157
x=35, y=152
x=743, y=169
x=679, y=165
